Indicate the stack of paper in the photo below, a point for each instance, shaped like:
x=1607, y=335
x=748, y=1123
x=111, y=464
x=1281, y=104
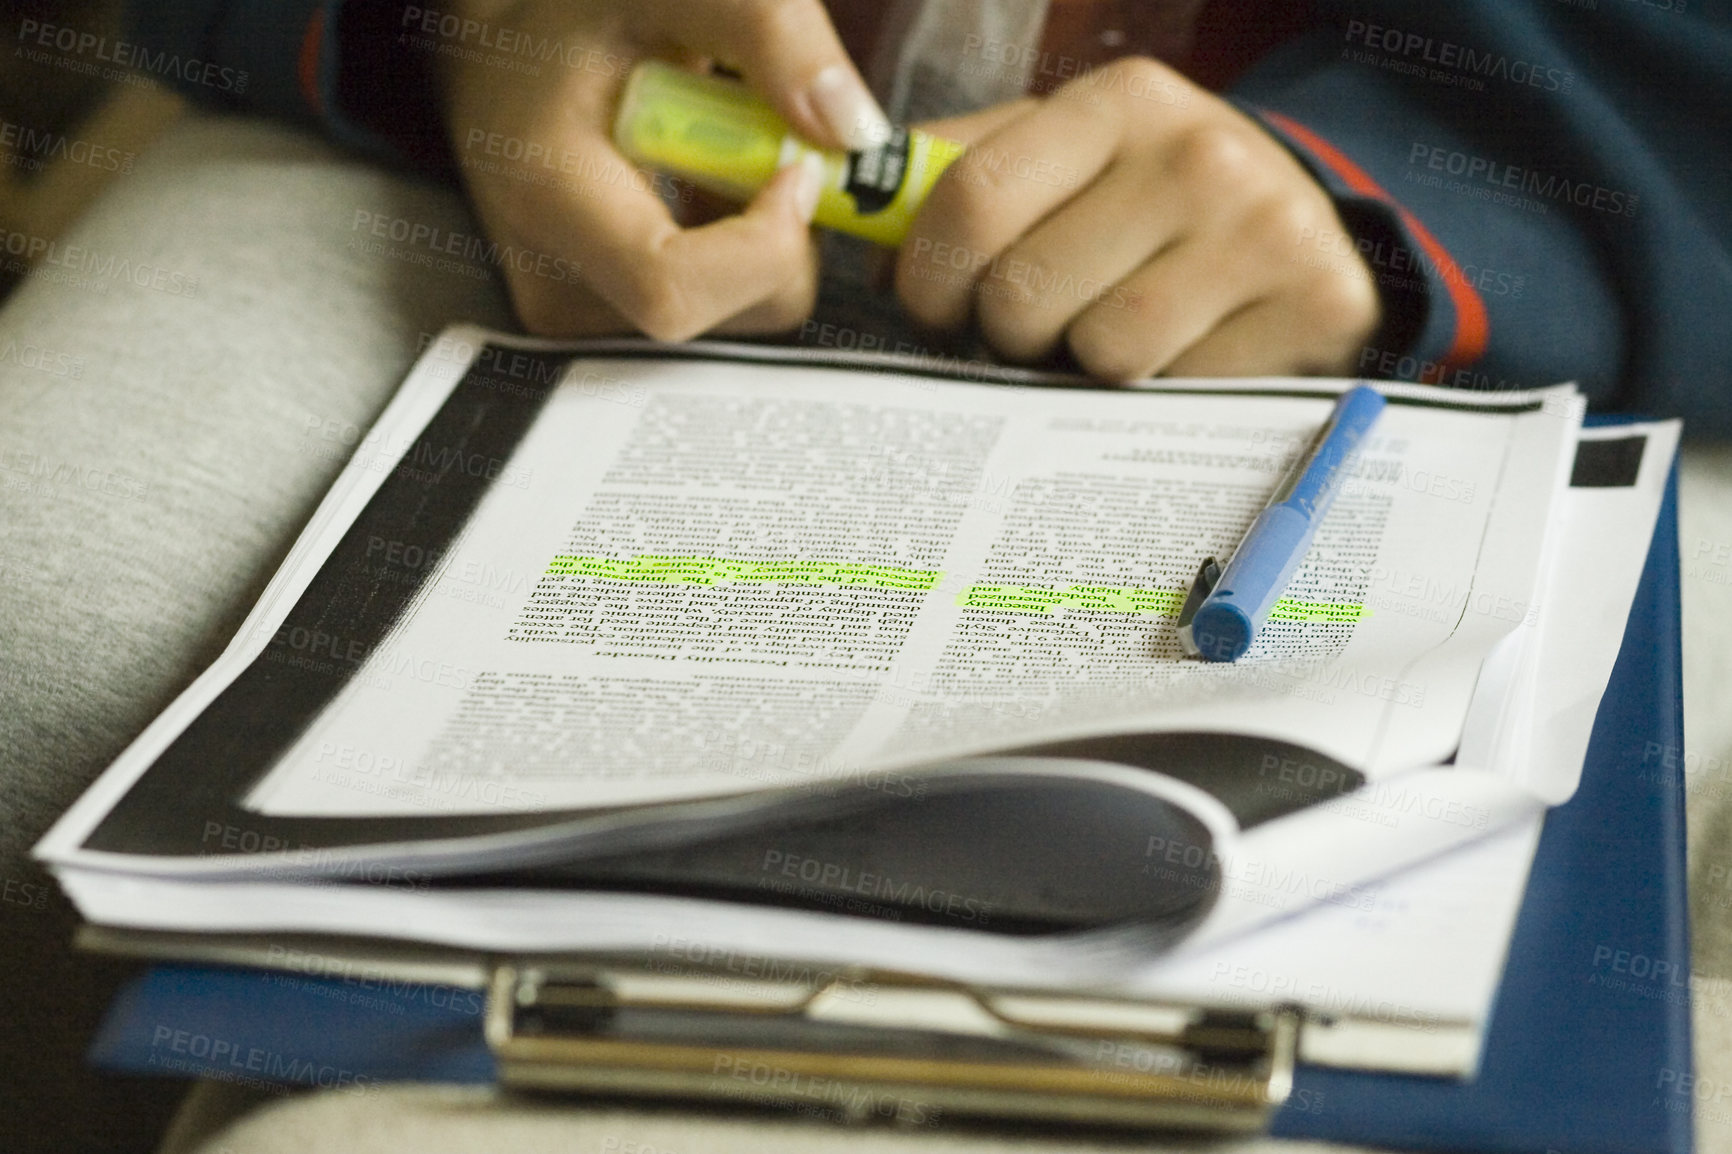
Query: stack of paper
x=717, y=651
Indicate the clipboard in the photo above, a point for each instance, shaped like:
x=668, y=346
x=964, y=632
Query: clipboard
x=1572, y=1060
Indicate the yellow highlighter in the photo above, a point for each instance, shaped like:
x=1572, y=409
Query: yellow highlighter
x=718, y=135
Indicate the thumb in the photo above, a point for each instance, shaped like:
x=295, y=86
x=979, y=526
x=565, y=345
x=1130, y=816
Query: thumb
x=790, y=53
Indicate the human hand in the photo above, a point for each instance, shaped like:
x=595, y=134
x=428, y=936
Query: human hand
x=1147, y=224
x=537, y=155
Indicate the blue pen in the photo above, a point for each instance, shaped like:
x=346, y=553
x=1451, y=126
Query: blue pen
x=1224, y=609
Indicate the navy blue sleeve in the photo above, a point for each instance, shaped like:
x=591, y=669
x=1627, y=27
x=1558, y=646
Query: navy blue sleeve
x=1541, y=188
x=358, y=70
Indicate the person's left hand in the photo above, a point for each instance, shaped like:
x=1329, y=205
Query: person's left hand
x=1151, y=226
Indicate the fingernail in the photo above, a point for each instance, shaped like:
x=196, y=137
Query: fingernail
x=810, y=184
x=843, y=103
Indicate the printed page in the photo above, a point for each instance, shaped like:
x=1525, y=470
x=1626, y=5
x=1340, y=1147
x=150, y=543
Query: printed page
x=701, y=578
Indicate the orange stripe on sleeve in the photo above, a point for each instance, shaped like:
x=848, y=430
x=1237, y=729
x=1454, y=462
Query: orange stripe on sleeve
x=312, y=48
x=1472, y=326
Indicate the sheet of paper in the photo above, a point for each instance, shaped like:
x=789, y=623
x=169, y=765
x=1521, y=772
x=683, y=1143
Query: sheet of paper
x=1420, y=954
x=697, y=578
x=1577, y=633
x=1421, y=949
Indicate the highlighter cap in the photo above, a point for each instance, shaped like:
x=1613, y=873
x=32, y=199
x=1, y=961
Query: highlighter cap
x=709, y=130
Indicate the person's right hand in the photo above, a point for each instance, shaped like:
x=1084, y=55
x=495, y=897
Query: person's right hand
x=537, y=155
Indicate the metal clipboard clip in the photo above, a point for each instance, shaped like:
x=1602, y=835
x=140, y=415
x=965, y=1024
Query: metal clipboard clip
x=889, y=1048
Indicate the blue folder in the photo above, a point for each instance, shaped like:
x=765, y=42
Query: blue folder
x=1587, y=1052
x=1588, y=1048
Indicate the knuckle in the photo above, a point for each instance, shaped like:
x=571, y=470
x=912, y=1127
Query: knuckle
x=1281, y=222
x=1345, y=302
x=1121, y=80
x=971, y=186
x=1149, y=306
x=1140, y=74
x=1213, y=156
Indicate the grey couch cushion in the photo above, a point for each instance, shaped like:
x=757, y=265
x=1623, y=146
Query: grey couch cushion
x=180, y=380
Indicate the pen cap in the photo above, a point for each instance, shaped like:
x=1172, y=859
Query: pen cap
x=1254, y=580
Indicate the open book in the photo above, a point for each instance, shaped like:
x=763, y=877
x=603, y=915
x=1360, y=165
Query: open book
x=596, y=647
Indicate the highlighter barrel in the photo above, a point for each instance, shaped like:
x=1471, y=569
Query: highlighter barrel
x=717, y=134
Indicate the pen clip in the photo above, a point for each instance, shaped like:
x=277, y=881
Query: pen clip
x=1208, y=576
